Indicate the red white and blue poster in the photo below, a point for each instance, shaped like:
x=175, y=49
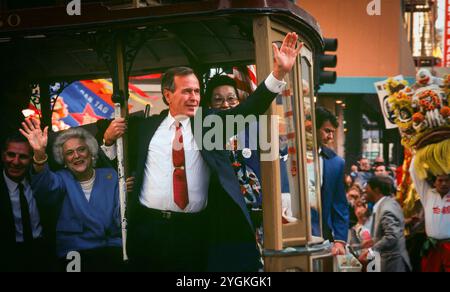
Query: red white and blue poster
x=87, y=101
x=80, y=106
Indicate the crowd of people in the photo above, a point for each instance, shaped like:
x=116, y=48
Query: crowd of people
x=376, y=219
x=417, y=243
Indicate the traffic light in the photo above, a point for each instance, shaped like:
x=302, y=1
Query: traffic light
x=327, y=61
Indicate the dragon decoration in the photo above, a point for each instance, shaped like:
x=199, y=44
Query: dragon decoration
x=422, y=113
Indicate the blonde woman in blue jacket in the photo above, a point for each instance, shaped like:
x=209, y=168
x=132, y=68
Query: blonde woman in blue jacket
x=86, y=199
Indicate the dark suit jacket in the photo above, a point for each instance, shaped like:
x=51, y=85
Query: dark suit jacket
x=335, y=213
x=7, y=225
x=232, y=245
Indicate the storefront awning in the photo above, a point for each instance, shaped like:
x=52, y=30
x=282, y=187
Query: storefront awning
x=355, y=85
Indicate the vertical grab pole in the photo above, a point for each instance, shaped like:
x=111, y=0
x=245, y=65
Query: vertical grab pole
x=120, y=99
x=122, y=184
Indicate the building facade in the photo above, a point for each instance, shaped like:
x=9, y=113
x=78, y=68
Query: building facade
x=373, y=45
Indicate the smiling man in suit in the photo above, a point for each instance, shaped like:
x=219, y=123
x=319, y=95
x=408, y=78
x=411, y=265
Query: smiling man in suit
x=335, y=209
x=187, y=212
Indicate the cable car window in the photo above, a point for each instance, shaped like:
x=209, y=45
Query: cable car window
x=311, y=151
x=289, y=153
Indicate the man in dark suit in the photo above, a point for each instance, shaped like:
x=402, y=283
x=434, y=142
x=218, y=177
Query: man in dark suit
x=335, y=209
x=388, y=227
x=21, y=234
x=187, y=212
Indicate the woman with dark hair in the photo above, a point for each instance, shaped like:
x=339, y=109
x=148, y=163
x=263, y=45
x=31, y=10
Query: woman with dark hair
x=222, y=94
x=86, y=198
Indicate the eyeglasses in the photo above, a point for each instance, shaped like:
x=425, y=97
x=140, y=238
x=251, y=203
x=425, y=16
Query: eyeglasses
x=230, y=99
x=83, y=150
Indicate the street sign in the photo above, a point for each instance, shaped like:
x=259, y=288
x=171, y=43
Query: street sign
x=389, y=120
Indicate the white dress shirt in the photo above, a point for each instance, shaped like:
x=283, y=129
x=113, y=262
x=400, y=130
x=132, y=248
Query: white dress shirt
x=373, y=217
x=14, y=194
x=273, y=84
x=321, y=166
x=377, y=205
x=436, y=208
x=157, y=186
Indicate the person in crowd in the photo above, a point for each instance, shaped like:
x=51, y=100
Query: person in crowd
x=187, y=212
x=353, y=195
x=86, y=198
x=335, y=211
x=378, y=161
x=360, y=232
x=23, y=244
x=364, y=173
x=415, y=234
x=392, y=171
x=387, y=228
x=435, y=198
x=381, y=170
x=348, y=182
x=354, y=172
x=354, y=169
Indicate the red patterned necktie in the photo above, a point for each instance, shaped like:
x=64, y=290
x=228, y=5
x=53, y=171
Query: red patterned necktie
x=180, y=187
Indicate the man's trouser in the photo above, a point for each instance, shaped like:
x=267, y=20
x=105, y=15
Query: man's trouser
x=437, y=256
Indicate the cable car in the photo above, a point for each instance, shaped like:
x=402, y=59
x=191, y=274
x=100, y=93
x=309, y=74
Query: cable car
x=119, y=42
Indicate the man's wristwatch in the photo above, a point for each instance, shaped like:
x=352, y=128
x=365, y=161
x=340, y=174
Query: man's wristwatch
x=104, y=143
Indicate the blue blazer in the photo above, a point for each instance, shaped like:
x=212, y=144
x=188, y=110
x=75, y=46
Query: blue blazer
x=335, y=213
x=81, y=224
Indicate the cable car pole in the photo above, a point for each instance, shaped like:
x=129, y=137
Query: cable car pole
x=120, y=98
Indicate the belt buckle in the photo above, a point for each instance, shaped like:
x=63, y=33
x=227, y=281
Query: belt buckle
x=166, y=214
